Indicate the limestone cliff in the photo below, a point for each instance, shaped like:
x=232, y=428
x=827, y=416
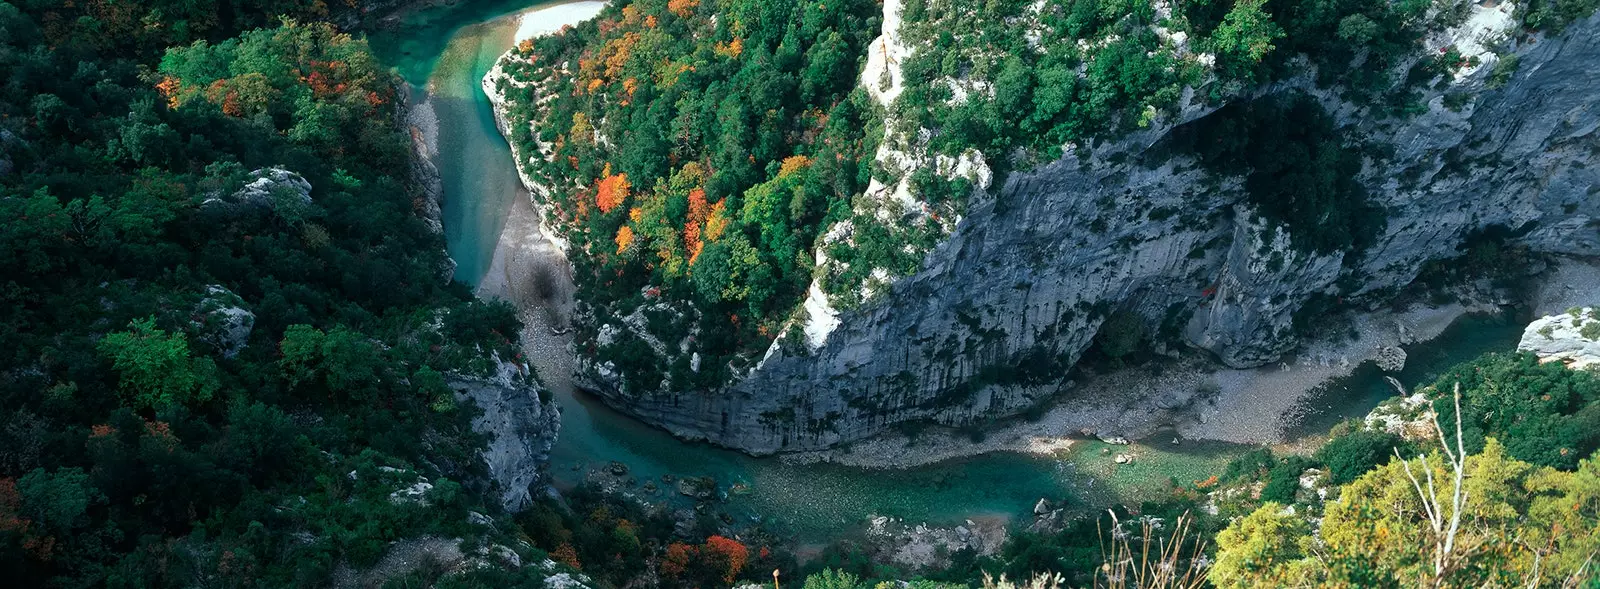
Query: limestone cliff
x=1008, y=302
x=522, y=421
x=1016, y=293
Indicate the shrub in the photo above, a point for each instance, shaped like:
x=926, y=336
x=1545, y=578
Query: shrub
x=1352, y=454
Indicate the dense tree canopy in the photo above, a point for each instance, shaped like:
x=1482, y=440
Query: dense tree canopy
x=139, y=443
x=696, y=151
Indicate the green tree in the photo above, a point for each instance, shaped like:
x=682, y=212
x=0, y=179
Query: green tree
x=1245, y=36
x=59, y=501
x=833, y=579
x=1353, y=454
x=156, y=368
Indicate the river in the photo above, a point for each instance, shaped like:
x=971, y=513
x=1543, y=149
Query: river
x=491, y=231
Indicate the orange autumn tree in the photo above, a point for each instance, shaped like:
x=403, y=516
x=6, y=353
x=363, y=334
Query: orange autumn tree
x=719, y=557
x=682, y=8
x=728, y=555
x=611, y=191
x=565, y=554
x=698, y=212
x=624, y=238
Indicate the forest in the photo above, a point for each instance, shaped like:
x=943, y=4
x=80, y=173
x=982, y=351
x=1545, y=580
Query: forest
x=695, y=152
x=203, y=384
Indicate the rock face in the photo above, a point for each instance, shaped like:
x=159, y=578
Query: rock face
x=423, y=124
x=523, y=422
x=1007, y=304
x=1572, y=338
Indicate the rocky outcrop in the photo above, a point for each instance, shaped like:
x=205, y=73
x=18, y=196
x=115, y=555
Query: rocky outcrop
x=224, y=322
x=1007, y=304
x=422, y=123
x=272, y=189
x=522, y=420
x=1572, y=338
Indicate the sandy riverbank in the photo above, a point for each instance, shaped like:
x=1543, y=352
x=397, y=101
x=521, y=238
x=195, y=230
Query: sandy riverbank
x=528, y=268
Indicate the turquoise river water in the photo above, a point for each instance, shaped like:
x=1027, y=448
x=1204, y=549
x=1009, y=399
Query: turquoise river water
x=447, y=52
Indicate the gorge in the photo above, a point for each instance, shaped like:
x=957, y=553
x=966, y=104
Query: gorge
x=492, y=228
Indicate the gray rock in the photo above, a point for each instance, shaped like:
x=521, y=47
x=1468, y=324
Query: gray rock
x=267, y=188
x=224, y=321
x=1391, y=359
x=521, y=426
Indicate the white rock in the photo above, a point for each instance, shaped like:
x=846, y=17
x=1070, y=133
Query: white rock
x=1569, y=338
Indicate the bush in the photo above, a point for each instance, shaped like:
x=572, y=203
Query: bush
x=1543, y=412
x=1350, y=455
x=1283, y=481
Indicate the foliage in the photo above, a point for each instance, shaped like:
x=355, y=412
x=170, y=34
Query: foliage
x=140, y=455
x=1353, y=454
x=696, y=150
x=833, y=579
x=1555, y=15
x=1545, y=413
x=1283, y=481
x=1256, y=548
x=1375, y=533
x=156, y=368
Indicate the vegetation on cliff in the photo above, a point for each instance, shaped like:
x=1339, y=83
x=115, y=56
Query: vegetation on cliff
x=704, y=156
x=694, y=151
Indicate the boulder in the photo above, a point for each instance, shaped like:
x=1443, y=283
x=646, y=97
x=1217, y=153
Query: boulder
x=272, y=189
x=1572, y=338
x=223, y=321
x=1391, y=359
